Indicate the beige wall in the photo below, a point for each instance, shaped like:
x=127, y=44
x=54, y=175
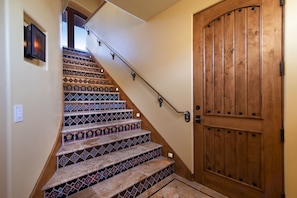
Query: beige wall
x=161, y=51
x=3, y=103
x=37, y=88
x=290, y=99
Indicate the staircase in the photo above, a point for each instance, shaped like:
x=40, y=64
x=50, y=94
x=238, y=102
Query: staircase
x=103, y=146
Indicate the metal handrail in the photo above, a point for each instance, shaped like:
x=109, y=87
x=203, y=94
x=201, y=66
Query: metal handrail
x=114, y=53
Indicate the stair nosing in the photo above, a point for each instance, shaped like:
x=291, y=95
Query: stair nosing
x=93, y=92
x=67, y=129
x=101, y=79
x=74, y=50
x=97, y=112
x=81, y=61
x=81, y=145
x=78, y=70
x=101, y=85
x=67, y=174
x=77, y=55
x=89, y=57
x=95, y=101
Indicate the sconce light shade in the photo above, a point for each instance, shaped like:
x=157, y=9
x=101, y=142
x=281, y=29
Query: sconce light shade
x=34, y=43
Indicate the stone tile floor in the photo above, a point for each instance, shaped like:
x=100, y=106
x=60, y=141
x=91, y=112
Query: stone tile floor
x=175, y=186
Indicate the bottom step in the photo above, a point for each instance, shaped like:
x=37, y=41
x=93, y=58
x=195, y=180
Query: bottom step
x=131, y=183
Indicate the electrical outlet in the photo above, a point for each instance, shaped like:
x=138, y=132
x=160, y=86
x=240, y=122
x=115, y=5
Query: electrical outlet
x=170, y=155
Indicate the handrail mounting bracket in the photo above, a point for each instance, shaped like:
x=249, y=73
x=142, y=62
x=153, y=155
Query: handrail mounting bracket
x=187, y=116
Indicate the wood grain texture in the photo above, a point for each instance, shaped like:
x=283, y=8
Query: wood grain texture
x=240, y=62
x=219, y=151
x=254, y=77
x=237, y=50
x=209, y=64
x=229, y=68
x=218, y=65
x=230, y=154
x=209, y=152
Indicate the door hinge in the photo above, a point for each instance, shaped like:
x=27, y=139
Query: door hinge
x=281, y=68
x=282, y=2
x=282, y=135
x=283, y=195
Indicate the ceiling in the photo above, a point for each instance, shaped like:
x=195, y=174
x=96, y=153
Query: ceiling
x=142, y=9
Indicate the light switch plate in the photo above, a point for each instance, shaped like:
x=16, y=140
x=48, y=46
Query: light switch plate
x=18, y=113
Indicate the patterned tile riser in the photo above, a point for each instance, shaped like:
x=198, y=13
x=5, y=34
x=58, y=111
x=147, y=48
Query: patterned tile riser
x=75, y=57
x=99, y=88
x=71, y=62
x=145, y=184
x=76, y=107
x=83, y=74
x=93, y=178
x=76, y=136
x=75, y=51
x=96, y=151
x=82, y=68
x=91, y=96
x=81, y=80
x=72, y=53
x=75, y=120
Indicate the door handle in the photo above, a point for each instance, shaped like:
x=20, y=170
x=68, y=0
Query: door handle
x=198, y=119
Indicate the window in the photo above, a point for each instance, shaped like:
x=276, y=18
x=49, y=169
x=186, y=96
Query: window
x=64, y=30
x=73, y=32
x=80, y=33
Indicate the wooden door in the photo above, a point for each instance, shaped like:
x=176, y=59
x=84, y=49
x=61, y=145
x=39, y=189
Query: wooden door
x=238, y=98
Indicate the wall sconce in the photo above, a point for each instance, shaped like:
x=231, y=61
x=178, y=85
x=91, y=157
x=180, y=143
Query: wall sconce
x=34, y=43
x=138, y=115
x=101, y=70
x=117, y=89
